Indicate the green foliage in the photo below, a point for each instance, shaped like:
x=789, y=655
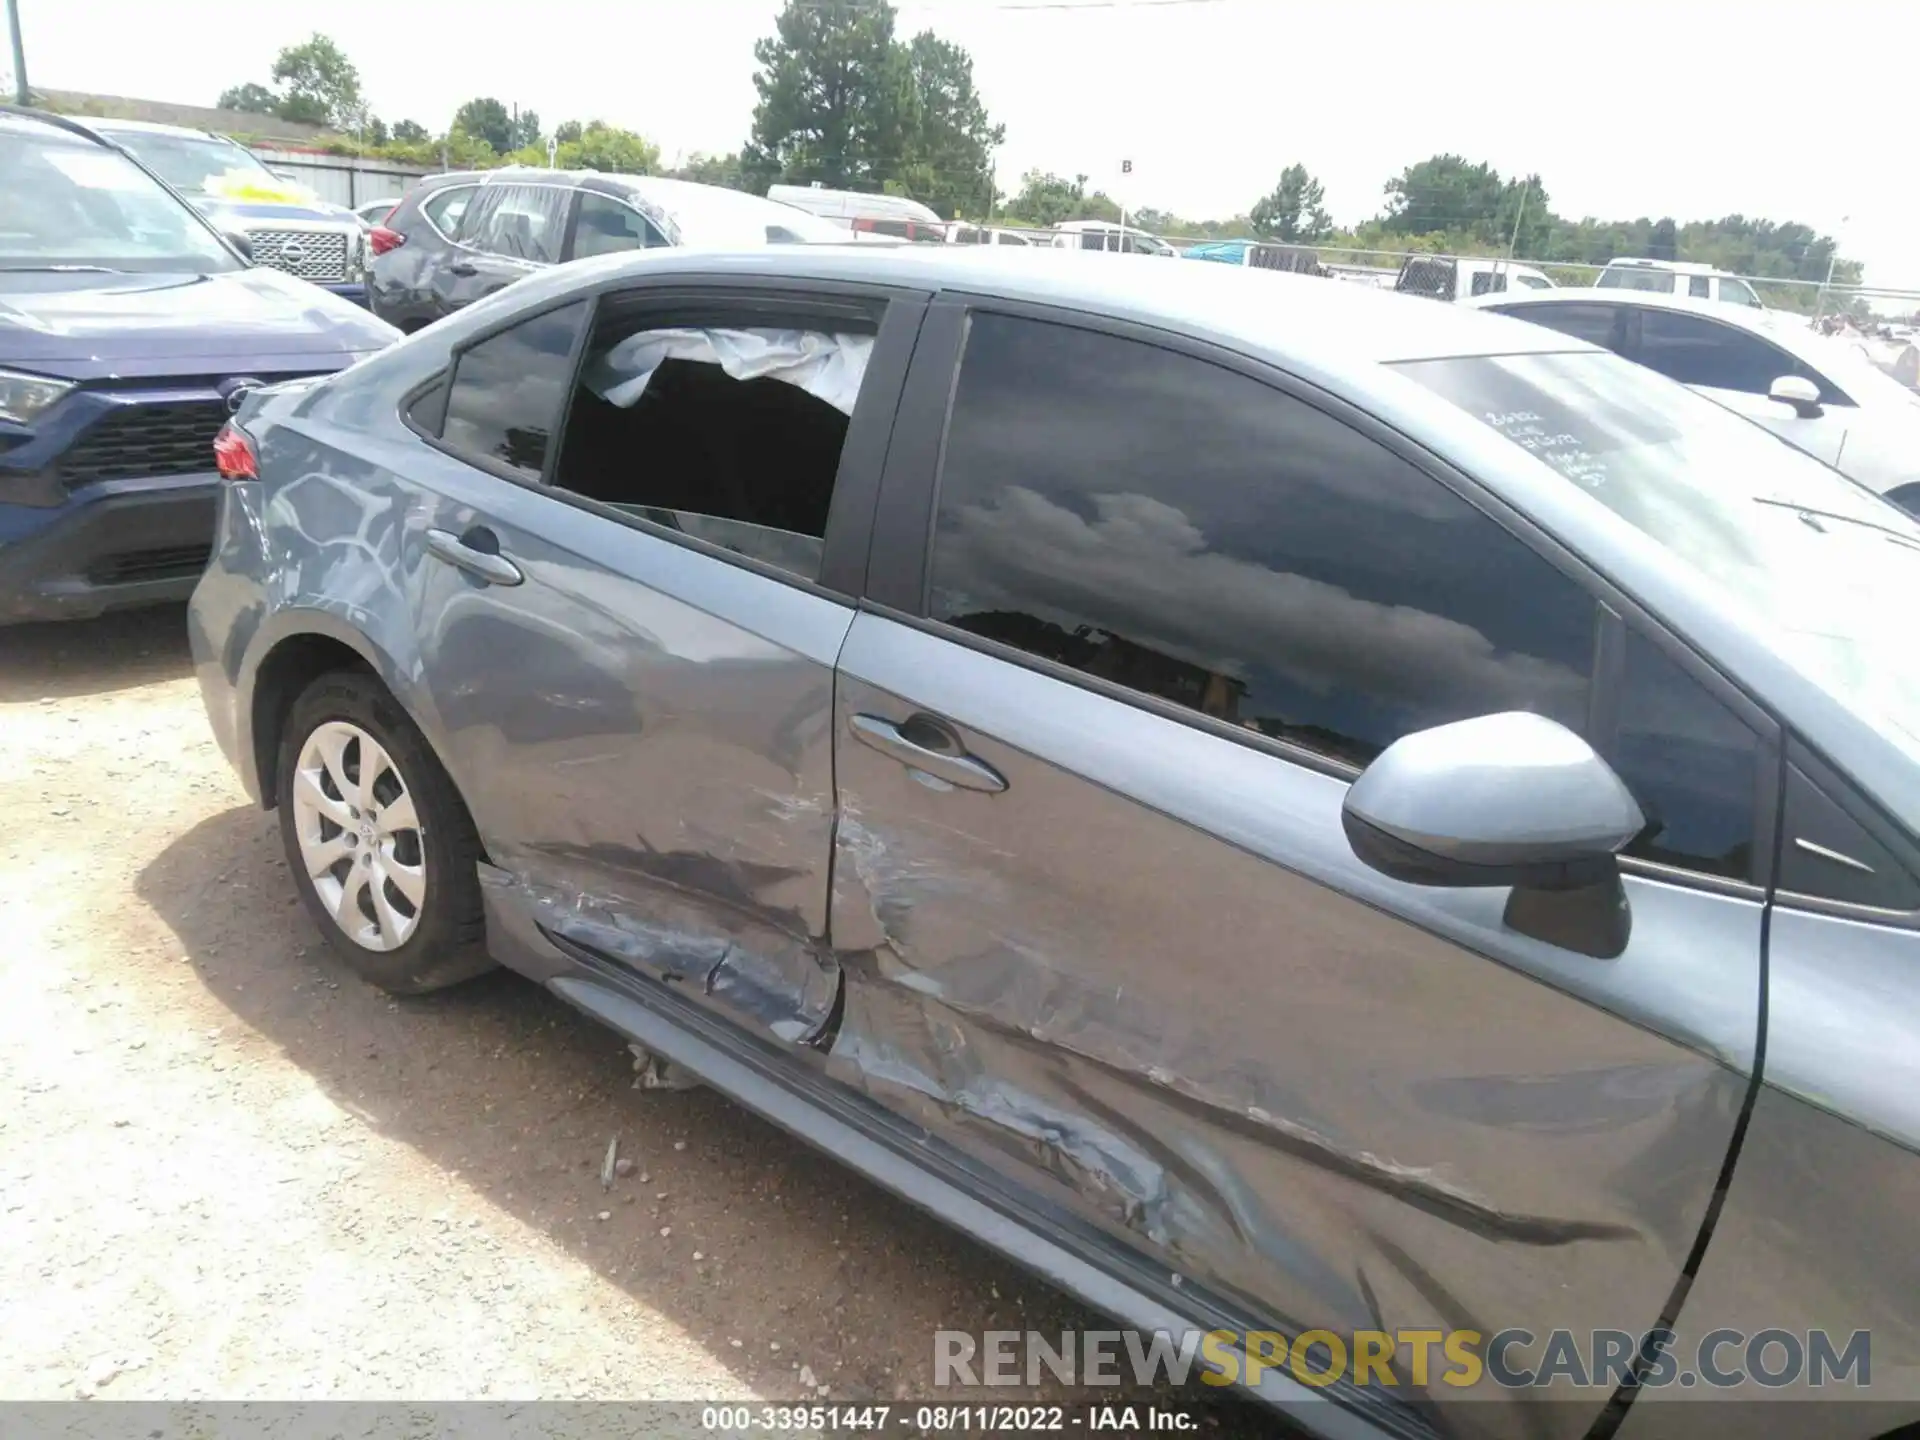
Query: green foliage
x=1045, y=199
x=319, y=84
x=566, y=130
x=725, y=170
x=607, y=147
x=844, y=104
x=1295, y=210
x=410, y=132
x=486, y=119
x=252, y=98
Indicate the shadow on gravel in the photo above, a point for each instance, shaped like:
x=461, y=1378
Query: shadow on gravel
x=70, y=658
x=500, y=1085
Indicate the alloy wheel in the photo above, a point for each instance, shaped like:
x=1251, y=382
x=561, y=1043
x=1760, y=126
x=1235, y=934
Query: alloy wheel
x=360, y=836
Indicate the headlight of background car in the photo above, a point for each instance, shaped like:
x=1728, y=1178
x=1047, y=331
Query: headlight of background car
x=24, y=396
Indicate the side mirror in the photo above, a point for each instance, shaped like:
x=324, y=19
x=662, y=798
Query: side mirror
x=239, y=241
x=1512, y=799
x=1799, y=392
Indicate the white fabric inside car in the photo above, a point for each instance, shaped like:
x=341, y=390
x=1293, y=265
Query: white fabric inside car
x=828, y=367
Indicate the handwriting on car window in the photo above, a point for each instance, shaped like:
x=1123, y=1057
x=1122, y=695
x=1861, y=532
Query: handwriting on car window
x=1566, y=453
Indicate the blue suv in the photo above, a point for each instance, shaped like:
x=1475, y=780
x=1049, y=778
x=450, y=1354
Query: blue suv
x=128, y=326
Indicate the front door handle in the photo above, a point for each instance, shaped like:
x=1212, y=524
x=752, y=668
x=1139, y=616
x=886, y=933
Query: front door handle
x=462, y=268
x=477, y=552
x=926, y=745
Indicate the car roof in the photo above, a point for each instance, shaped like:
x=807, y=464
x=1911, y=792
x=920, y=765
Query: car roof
x=1745, y=316
x=45, y=124
x=1266, y=314
x=149, y=127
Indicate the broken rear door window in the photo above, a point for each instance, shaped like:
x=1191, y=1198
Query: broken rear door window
x=726, y=429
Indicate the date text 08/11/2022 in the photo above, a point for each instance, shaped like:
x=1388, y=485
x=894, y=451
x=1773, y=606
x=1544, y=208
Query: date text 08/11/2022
x=979, y=1419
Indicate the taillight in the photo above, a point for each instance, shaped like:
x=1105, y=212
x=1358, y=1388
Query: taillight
x=382, y=239
x=233, y=454
x=863, y=224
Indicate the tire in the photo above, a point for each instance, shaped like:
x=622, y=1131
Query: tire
x=424, y=929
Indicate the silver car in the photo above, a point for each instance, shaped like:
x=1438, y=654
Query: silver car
x=1293, y=811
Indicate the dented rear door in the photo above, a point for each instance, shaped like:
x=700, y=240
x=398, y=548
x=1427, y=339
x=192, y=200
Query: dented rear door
x=1099, y=923
x=640, y=722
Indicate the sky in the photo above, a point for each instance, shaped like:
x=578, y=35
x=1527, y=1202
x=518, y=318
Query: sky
x=1689, y=108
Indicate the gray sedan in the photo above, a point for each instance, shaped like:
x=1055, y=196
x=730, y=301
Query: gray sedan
x=1293, y=811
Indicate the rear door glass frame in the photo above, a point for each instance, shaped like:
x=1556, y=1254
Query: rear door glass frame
x=899, y=573
x=856, y=483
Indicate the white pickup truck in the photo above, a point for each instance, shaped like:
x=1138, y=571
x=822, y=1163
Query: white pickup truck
x=1678, y=277
x=1465, y=277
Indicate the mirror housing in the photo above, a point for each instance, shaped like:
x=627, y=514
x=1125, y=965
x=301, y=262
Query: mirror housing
x=239, y=241
x=1799, y=392
x=1511, y=799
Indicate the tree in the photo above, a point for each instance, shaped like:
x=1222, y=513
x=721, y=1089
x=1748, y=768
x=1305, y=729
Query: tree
x=251, y=98
x=1045, y=199
x=526, y=130
x=566, y=130
x=607, y=147
x=485, y=118
x=834, y=96
x=950, y=140
x=318, y=83
x=410, y=132
x=725, y=170
x=1294, y=211
x=1444, y=192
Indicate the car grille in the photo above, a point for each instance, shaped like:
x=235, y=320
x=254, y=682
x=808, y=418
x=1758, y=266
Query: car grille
x=311, y=254
x=135, y=442
x=175, y=562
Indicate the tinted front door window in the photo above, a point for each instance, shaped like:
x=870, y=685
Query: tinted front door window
x=1185, y=531
x=507, y=391
x=1697, y=351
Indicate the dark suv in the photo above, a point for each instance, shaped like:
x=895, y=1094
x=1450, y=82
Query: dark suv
x=458, y=237
x=128, y=325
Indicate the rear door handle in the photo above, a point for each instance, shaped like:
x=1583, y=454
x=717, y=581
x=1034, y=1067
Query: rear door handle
x=462, y=268
x=952, y=765
x=477, y=552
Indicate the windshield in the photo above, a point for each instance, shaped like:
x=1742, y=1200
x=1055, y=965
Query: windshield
x=71, y=203
x=195, y=164
x=1828, y=570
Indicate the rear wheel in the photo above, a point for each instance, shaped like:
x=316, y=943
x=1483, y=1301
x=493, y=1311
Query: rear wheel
x=379, y=843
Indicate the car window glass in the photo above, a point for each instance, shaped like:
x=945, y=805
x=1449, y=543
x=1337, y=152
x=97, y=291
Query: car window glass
x=1171, y=526
x=1488, y=282
x=1592, y=323
x=522, y=222
x=1699, y=286
x=605, y=226
x=507, y=391
x=1691, y=763
x=1007, y=238
x=1738, y=292
x=444, y=210
x=728, y=432
x=1830, y=855
x=1698, y=351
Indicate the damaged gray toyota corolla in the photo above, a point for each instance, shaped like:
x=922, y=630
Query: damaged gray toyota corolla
x=1279, y=806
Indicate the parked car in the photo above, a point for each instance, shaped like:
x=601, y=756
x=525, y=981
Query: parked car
x=375, y=212
x=1816, y=393
x=1278, y=806
x=960, y=232
x=460, y=236
x=1466, y=277
x=286, y=226
x=893, y=216
x=1110, y=237
x=1258, y=255
x=1678, y=277
x=127, y=325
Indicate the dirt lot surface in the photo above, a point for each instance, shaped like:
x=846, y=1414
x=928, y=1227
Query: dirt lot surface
x=229, y=1169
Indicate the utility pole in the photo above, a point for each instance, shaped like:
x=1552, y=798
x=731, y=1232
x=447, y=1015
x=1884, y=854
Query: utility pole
x=1514, y=243
x=21, y=94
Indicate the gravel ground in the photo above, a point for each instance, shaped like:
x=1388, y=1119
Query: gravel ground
x=231, y=1170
